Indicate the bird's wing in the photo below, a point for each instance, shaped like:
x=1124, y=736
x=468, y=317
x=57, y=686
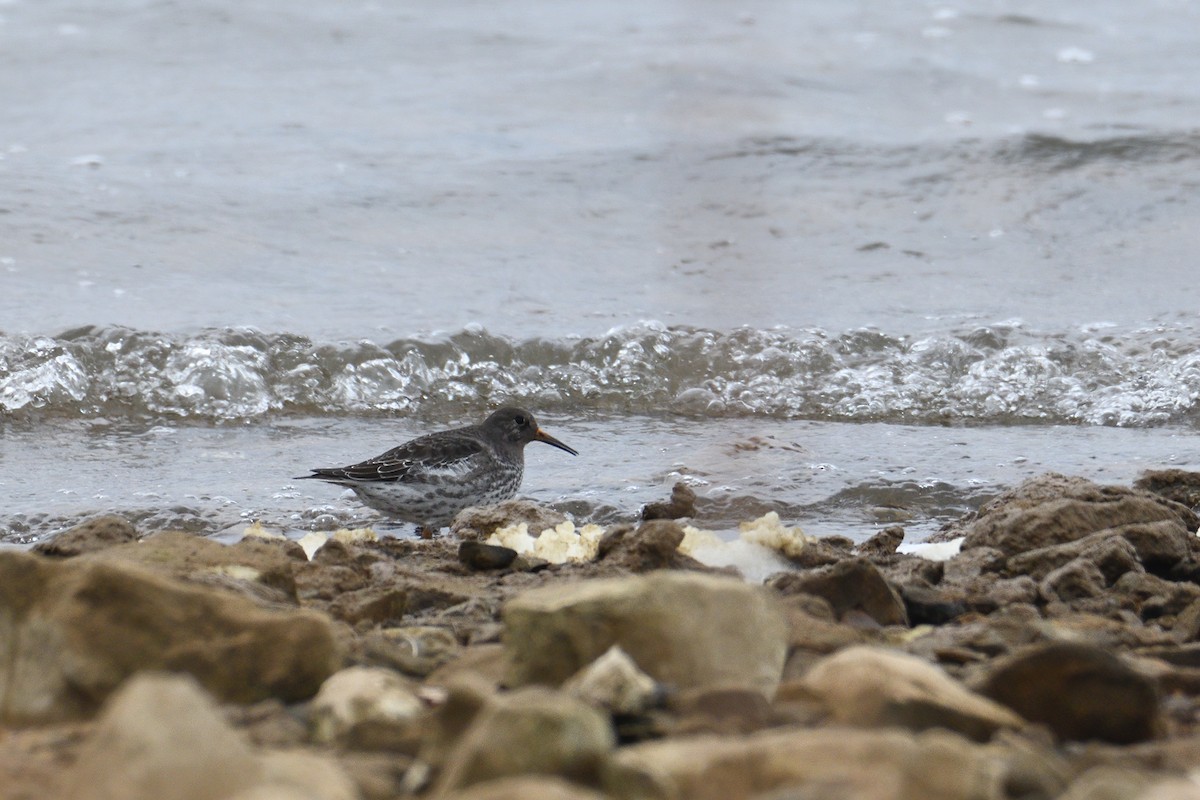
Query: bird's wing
x=423, y=459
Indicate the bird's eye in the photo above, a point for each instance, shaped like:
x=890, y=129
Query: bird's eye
x=520, y=420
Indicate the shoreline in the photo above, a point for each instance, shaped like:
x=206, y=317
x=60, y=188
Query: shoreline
x=1056, y=652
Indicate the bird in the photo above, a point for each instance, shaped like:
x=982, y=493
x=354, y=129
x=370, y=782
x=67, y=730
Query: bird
x=428, y=480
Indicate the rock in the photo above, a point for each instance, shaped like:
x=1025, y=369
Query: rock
x=932, y=606
x=531, y=730
x=810, y=631
x=161, y=737
x=88, y=537
x=684, y=629
x=1153, y=597
x=651, y=545
x=1060, y=511
x=682, y=504
x=479, y=556
x=413, y=650
x=823, y=763
x=1109, y=783
x=479, y=522
x=1072, y=581
x=374, y=604
x=853, y=584
x=877, y=687
x=1051, y=487
x=195, y=559
x=883, y=543
x=720, y=710
x=1179, y=485
x=615, y=683
x=367, y=708
x=1080, y=691
x=526, y=787
x=1110, y=552
x=299, y=775
x=78, y=628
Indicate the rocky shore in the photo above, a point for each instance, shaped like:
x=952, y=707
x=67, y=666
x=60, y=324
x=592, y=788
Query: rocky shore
x=1055, y=655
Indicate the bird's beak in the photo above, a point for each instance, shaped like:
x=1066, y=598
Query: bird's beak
x=542, y=436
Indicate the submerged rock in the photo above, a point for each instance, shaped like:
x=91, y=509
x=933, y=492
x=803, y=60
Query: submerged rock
x=682, y=504
x=684, y=629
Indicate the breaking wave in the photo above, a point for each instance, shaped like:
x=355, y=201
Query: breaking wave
x=995, y=374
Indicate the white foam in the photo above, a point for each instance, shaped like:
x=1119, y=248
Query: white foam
x=557, y=545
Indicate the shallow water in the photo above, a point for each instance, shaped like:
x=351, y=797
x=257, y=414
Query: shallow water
x=819, y=258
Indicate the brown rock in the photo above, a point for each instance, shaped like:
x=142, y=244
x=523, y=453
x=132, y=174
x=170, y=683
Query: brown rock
x=476, y=555
x=1073, y=581
x=877, y=687
x=77, y=628
x=854, y=584
x=1080, y=691
x=720, y=710
x=526, y=787
x=195, y=559
x=367, y=708
x=1108, y=550
x=651, y=545
x=824, y=763
x=1181, y=486
x=88, y=537
x=477, y=523
x=682, y=504
x=531, y=730
x=413, y=650
x=374, y=604
x=161, y=736
x=684, y=629
x=1053, y=510
x=932, y=606
x=883, y=543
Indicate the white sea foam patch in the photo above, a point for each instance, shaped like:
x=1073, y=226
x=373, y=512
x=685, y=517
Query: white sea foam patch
x=762, y=548
x=313, y=541
x=934, y=551
x=557, y=545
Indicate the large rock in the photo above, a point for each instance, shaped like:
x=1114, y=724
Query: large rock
x=1080, y=691
x=88, y=537
x=72, y=631
x=1052, y=510
x=684, y=629
x=252, y=561
x=853, y=584
x=877, y=687
x=162, y=738
x=531, y=730
x=841, y=763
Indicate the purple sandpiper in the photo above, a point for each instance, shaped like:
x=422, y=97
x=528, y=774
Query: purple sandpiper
x=430, y=479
